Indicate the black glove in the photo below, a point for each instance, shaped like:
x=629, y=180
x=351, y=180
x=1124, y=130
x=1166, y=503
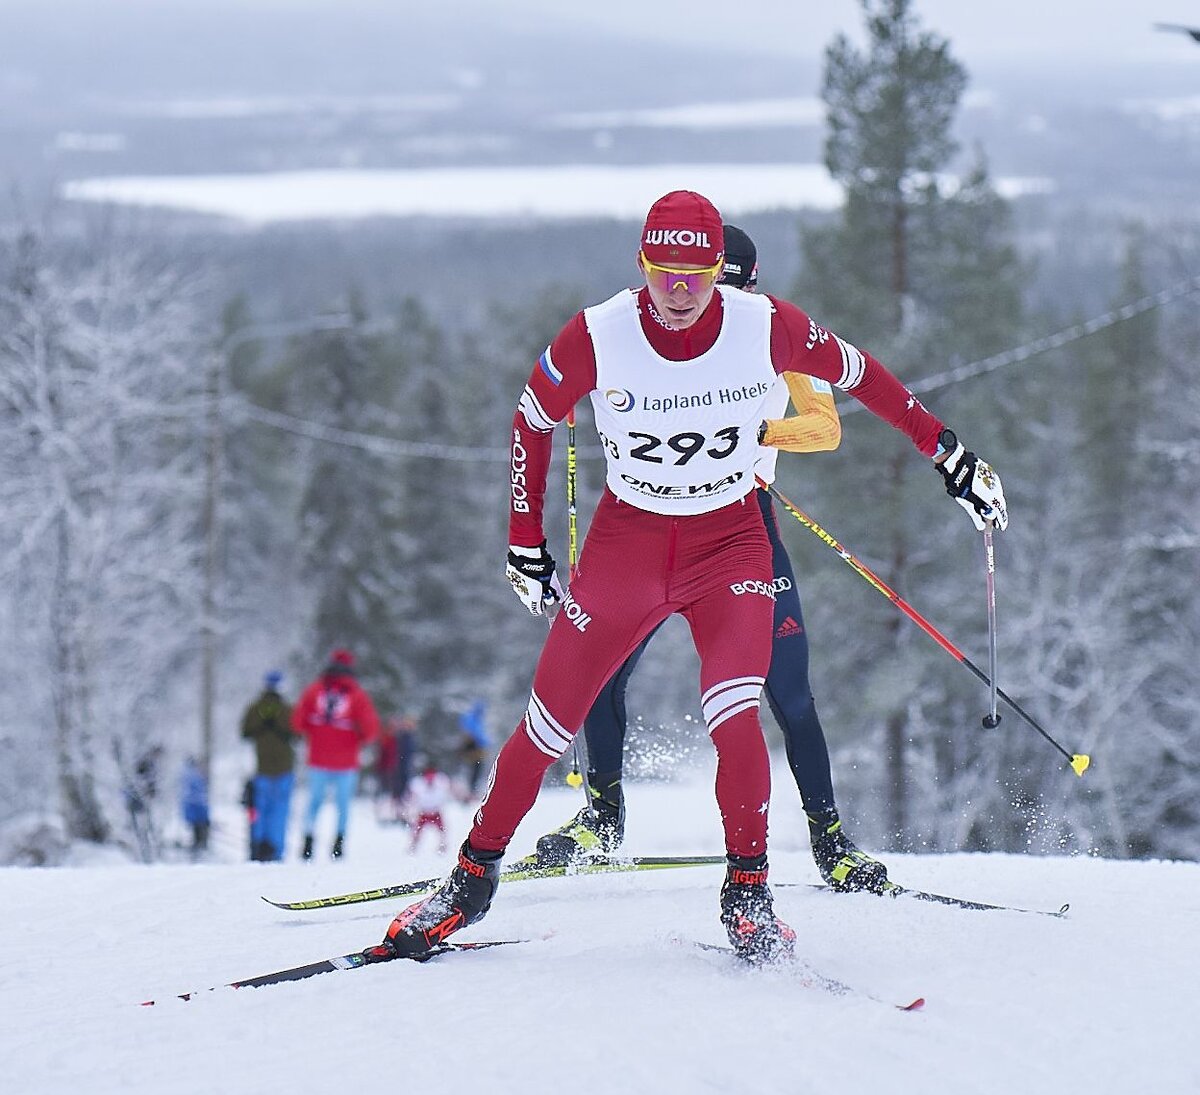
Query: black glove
x=531, y=572
x=972, y=483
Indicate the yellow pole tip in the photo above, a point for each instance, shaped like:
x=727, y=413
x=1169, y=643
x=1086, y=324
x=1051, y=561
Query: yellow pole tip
x=576, y=780
x=1080, y=762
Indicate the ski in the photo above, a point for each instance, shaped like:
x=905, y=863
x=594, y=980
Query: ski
x=811, y=978
x=370, y=957
x=893, y=889
x=523, y=869
x=531, y=867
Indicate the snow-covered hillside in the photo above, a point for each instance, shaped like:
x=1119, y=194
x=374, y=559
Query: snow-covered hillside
x=609, y=994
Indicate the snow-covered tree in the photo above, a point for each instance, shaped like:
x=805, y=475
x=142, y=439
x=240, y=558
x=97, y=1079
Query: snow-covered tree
x=351, y=501
x=100, y=476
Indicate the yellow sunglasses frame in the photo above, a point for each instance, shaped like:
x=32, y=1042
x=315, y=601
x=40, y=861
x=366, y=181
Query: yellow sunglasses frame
x=714, y=270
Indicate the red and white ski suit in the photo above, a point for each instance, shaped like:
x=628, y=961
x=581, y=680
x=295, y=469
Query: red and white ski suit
x=427, y=796
x=676, y=530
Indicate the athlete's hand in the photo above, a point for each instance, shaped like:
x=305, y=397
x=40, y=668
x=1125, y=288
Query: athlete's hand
x=531, y=572
x=971, y=483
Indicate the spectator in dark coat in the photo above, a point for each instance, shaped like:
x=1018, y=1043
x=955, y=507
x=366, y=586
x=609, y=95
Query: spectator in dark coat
x=267, y=723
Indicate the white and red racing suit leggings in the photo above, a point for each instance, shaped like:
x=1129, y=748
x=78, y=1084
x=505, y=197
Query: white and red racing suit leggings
x=636, y=569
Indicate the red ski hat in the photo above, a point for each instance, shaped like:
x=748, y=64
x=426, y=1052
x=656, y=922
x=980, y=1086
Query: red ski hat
x=683, y=228
x=341, y=657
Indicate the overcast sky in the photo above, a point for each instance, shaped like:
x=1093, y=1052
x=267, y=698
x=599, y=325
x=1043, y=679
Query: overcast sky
x=982, y=31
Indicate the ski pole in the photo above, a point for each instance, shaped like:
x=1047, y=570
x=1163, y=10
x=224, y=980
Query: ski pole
x=992, y=719
x=572, y=518
x=574, y=777
x=1079, y=761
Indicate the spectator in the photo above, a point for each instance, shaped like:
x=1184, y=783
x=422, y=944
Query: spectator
x=406, y=747
x=337, y=716
x=267, y=723
x=474, y=744
x=141, y=789
x=428, y=794
x=393, y=767
x=193, y=800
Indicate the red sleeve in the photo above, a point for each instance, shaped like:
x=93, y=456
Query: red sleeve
x=564, y=373
x=799, y=345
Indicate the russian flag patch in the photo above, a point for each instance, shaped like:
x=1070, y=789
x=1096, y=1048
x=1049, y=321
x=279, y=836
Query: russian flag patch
x=547, y=364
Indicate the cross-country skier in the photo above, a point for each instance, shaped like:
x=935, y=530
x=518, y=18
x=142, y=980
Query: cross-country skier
x=679, y=372
x=600, y=826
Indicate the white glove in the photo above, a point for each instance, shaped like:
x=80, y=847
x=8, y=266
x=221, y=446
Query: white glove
x=531, y=572
x=972, y=483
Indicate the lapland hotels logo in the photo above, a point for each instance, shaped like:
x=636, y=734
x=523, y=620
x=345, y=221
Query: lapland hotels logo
x=622, y=399
x=676, y=237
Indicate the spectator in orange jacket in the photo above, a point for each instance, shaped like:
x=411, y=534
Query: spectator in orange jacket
x=337, y=717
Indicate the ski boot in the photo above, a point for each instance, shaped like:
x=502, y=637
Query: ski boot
x=306, y=852
x=339, y=846
x=594, y=831
x=842, y=864
x=598, y=829
x=463, y=898
x=748, y=913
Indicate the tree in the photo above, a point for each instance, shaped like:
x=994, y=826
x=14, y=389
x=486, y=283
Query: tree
x=917, y=268
x=890, y=112
x=435, y=552
x=263, y=605
x=99, y=399
x=350, y=507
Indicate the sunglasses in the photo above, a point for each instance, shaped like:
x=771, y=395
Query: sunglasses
x=666, y=279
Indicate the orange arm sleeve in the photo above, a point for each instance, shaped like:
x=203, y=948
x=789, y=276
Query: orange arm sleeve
x=815, y=427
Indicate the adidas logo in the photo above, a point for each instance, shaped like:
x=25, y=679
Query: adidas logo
x=788, y=627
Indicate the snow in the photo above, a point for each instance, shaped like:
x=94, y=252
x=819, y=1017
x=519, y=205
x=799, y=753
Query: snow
x=259, y=106
x=568, y=190
x=545, y=192
x=746, y=114
x=609, y=994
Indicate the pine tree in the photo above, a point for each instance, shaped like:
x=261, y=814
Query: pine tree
x=918, y=271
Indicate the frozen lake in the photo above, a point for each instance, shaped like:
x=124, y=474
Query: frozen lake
x=564, y=191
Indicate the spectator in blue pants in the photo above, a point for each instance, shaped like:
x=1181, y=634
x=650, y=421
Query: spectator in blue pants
x=337, y=717
x=267, y=722
x=193, y=801
x=343, y=783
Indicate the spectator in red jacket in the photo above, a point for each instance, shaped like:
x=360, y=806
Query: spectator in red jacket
x=337, y=717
